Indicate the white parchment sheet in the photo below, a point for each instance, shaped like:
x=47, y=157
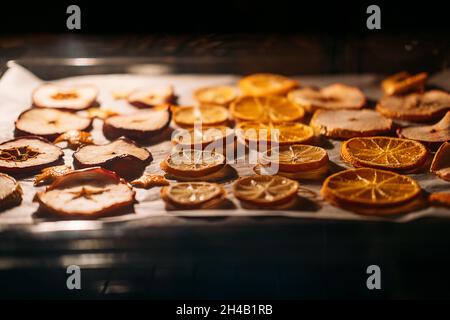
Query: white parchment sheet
x=17, y=84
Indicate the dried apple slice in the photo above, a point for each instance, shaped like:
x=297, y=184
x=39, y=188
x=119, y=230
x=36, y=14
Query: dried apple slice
x=440, y=165
x=76, y=97
x=86, y=193
x=345, y=124
x=417, y=107
x=142, y=125
x=50, y=123
x=436, y=133
x=28, y=154
x=332, y=97
x=122, y=156
x=10, y=192
x=148, y=98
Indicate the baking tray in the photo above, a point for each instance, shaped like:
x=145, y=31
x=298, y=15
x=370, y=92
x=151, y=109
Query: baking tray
x=121, y=235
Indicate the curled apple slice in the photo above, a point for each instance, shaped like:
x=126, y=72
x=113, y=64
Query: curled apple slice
x=148, y=98
x=141, y=125
x=86, y=193
x=122, y=156
x=10, y=192
x=436, y=133
x=77, y=97
x=440, y=165
x=49, y=123
x=28, y=155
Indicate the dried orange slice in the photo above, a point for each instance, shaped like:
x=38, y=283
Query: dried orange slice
x=193, y=195
x=418, y=107
x=332, y=97
x=296, y=158
x=148, y=181
x=266, y=109
x=440, y=199
x=266, y=84
x=220, y=95
x=203, y=137
x=369, y=187
x=75, y=138
x=265, y=191
x=384, y=153
x=440, y=165
x=403, y=82
x=193, y=163
x=283, y=133
x=204, y=115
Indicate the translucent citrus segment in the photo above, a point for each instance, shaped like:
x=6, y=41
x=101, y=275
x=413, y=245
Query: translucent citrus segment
x=296, y=158
x=372, y=187
x=384, y=152
x=193, y=163
x=192, y=194
x=220, y=95
x=265, y=190
x=266, y=109
x=283, y=133
x=266, y=84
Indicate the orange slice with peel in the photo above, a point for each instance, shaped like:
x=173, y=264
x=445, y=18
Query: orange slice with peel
x=266, y=109
x=193, y=163
x=384, y=153
x=193, y=195
x=369, y=187
x=265, y=191
x=296, y=157
x=205, y=115
x=283, y=133
x=219, y=95
x=266, y=84
x=203, y=137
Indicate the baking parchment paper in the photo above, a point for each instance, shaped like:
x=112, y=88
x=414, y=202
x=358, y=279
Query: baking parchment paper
x=18, y=83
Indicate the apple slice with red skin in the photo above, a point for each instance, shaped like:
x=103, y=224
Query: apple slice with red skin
x=86, y=193
x=49, y=123
x=73, y=98
x=122, y=156
x=140, y=126
x=149, y=98
x=29, y=154
x=10, y=192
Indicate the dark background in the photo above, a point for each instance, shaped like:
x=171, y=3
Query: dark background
x=291, y=37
